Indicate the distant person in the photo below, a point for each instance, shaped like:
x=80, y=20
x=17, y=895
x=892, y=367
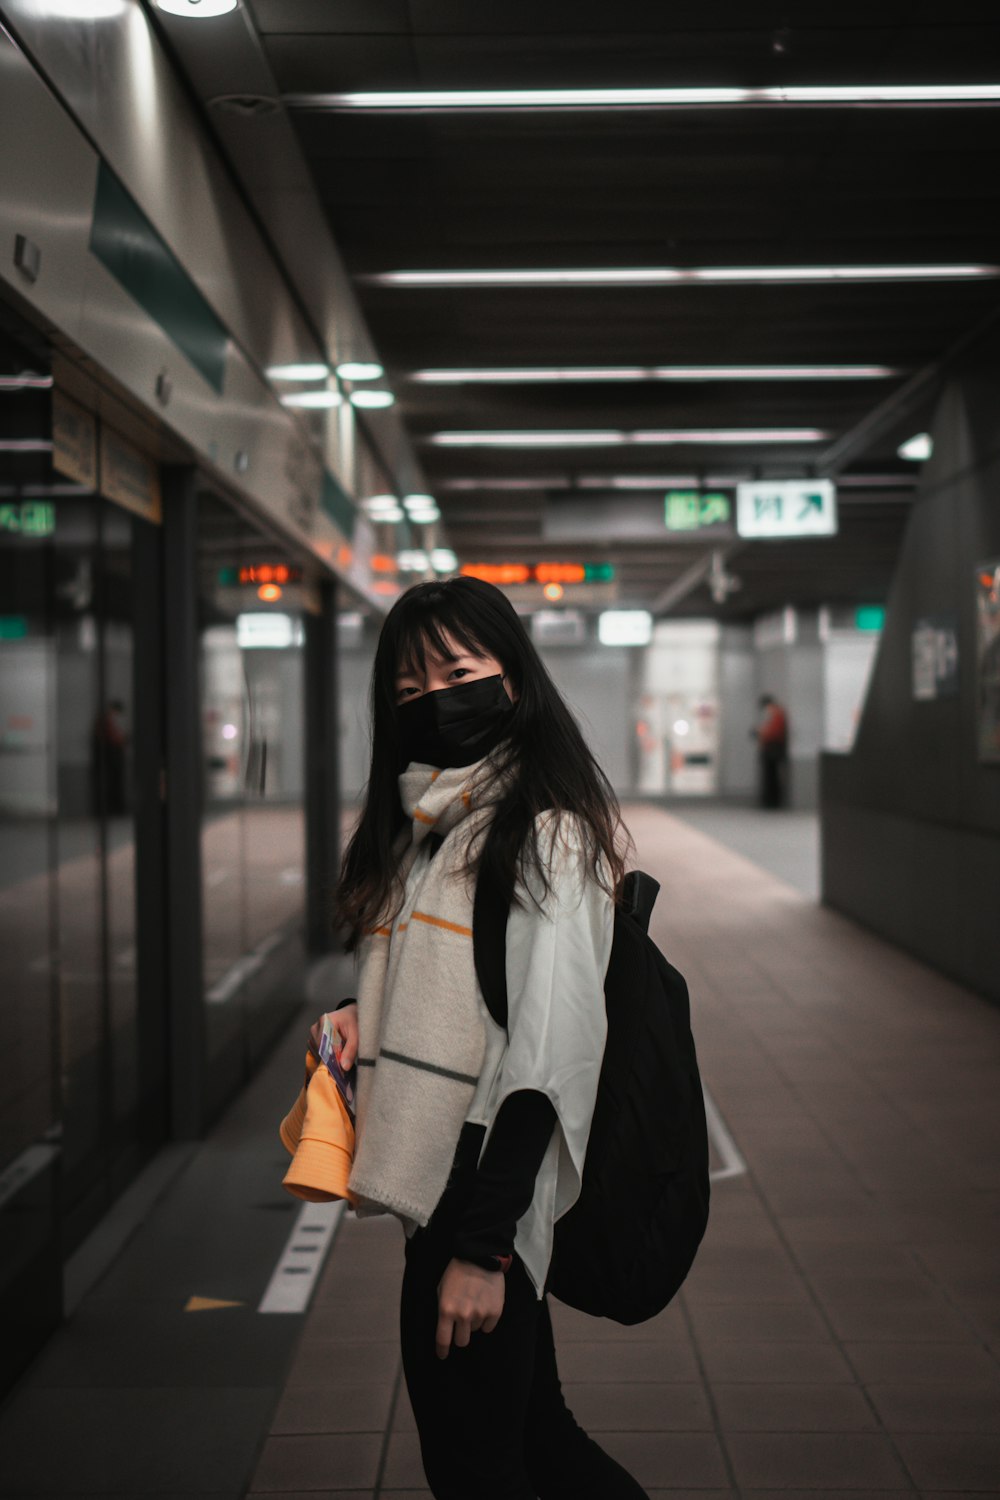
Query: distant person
x=110, y=760
x=772, y=751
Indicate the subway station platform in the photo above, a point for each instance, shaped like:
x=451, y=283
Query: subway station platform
x=839, y=1335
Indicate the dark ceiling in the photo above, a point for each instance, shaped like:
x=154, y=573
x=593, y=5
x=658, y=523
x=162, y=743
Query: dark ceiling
x=729, y=187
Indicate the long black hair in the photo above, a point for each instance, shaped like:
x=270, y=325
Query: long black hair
x=545, y=756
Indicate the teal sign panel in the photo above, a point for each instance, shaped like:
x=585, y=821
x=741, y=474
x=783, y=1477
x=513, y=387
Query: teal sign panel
x=126, y=243
x=338, y=506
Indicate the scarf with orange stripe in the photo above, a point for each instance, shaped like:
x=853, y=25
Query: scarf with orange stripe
x=420, y=1015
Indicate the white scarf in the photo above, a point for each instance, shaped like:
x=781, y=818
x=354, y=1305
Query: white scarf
x=421, y=1019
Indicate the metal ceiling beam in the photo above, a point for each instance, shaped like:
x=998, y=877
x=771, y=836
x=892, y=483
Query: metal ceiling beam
x=888, y=414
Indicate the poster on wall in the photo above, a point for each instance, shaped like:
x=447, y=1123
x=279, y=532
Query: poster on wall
x=988, y=659
x=935, y=658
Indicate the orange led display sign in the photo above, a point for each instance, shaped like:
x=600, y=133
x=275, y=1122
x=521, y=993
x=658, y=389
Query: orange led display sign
x=498, y=573
x=560, y=573
x=547, y=573
x=269, y=573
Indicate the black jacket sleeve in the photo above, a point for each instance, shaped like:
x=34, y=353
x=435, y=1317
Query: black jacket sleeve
x=505, y=1179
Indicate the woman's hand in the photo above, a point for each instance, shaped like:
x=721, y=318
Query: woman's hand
x=345, y=1023
x=468, y=1298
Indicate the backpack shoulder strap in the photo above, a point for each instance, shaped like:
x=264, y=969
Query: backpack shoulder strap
x=489, y=941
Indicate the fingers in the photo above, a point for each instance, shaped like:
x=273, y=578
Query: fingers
x=442, y=1336
x=346, y=1027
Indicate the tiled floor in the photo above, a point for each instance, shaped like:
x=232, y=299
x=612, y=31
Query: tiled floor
x=840, y=1333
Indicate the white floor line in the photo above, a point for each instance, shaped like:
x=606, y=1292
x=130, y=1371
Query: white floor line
x=733, y=1163
x=294, y=1278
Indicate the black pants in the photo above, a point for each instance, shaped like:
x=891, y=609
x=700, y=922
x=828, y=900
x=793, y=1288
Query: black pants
x=772, y=780
x=492, y=1421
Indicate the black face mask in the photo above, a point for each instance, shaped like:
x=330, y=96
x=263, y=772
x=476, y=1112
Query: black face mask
x=454, y=726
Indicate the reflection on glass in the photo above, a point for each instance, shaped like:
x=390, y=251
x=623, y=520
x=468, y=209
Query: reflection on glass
x=253, y=834
x=79, y=786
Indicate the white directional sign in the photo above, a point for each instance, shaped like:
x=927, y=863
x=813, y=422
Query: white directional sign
x=787, y=507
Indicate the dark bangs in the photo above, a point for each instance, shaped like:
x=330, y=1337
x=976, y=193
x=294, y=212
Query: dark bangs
x=419, y=627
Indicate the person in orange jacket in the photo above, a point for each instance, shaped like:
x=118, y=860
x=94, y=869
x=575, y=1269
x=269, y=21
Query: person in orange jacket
x=772, y=752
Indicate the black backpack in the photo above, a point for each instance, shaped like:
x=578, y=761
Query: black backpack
x=623, y=1249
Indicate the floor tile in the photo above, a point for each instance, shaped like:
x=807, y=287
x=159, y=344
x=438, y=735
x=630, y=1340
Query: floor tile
x=681, y=1460
x=345, y=1460
x=351, y=1407
x=822, y=1461
x=956, y=1407
x=403, y=1465
x=772, y=1362
x=758, y=1320
x=970, y=1462
x=640, y=1407
x=923, y=1363
x=792, y=1408
x=627, y=1362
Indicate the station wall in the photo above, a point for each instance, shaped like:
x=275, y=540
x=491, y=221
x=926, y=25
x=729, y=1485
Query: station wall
x=911, y=818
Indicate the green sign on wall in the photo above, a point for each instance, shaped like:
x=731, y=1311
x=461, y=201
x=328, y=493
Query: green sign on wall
x=28, y=518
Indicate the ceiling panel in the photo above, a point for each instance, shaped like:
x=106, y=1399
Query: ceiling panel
x=633, y=188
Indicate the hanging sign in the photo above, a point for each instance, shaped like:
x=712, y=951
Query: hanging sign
x=74, y=441
x=788, y=507
x=698, y=511
x=128, y=477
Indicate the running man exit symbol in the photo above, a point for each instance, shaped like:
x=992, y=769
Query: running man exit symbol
x=792, y=507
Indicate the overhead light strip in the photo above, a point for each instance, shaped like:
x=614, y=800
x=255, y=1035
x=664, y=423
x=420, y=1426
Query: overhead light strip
x=828, y=96
x=585, y=374
x=611, y=439
x=678, y=276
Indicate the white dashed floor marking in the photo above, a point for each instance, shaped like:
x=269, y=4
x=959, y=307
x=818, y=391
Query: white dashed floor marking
x=294, y=1278
x=733, y=1163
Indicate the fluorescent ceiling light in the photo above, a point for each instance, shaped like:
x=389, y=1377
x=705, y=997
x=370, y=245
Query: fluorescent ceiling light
x=610, y=439
x=25, y=445
x=917, y=448
x=679, y=276
x=413, y=560
x=360, y=370
x=661, y=98
x=583, y=374
x=298, y=372
x=657, y=481
x=625, y=627
x=443, y=560
x=372, y=400
x=84, y=10
x=25, y=382
x=419, y=502
x=381, y=502
x=551, y=483
x=874, y=481
x=264, y=629
x=313, y=400
x=200, y=9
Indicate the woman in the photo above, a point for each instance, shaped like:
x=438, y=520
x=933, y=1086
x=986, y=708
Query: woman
x=475, y=1137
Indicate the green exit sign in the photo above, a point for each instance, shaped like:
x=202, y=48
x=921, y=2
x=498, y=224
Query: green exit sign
x=29, y=518
x=869, y=617
x=697, y=510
